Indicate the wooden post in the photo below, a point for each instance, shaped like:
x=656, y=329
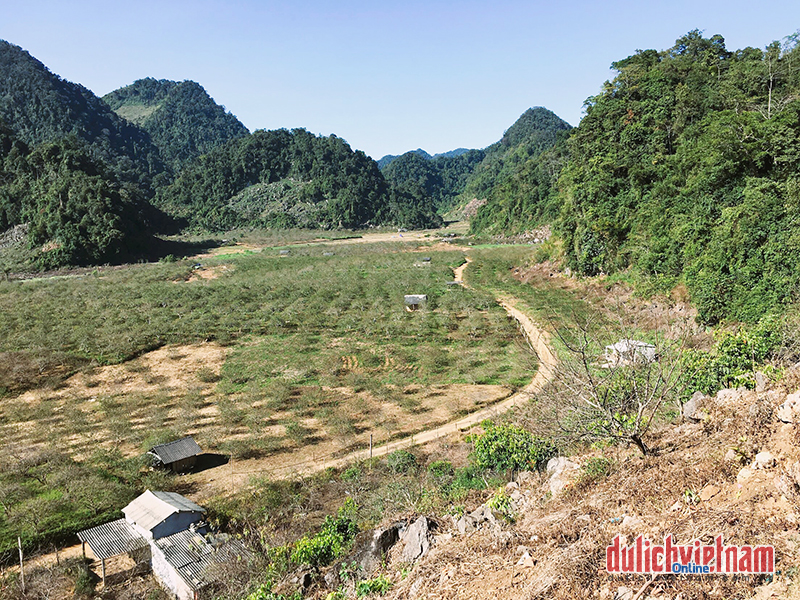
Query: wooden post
x=370, y=445
x=58, y=560
x=83, y=549
x=21, y=566
x=103, y=567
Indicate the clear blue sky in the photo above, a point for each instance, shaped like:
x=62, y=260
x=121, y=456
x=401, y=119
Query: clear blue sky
x=386, y=76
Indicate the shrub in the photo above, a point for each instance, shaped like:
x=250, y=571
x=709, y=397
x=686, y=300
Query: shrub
x=401, y=461
x=595, y=469
x=501, y=503
x=441, y=469
x=331, y=542
x=378, y=585
x=505, y=447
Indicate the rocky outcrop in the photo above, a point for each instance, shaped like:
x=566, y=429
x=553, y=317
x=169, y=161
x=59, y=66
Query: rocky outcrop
x=416, y=539
x=561, y=473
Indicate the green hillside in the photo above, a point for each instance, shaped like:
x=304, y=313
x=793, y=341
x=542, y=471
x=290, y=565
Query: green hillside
x=183, y=121
x=684, y=169
x=286, y=179
x=75, y=209
x=442, y=177
x=38, y=106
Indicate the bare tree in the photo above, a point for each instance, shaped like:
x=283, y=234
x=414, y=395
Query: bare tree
x=611, y=385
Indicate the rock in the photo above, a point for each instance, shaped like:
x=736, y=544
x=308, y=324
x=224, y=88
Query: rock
x=676, y=507
x=522, y=549
x=764, y=460
x=417, y=540
x=733, y=456
x=776, y=589
x=709, y=492
x=631, y=524
x=560, y=471
x=623, y=593
x=370, y=556
x=691, y=410
x=744, y=474
x=466, y=524
x=511, y=486
x=482, y=514
x=729, y=396
x=525, y=477
x=525, y=561
x=788, y=411
x=761, y=382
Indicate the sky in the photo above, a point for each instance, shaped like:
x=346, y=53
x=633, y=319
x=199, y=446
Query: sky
x=386, y=76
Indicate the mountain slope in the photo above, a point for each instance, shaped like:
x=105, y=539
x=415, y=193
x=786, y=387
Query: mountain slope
x=183, y=121
x=290, y=179
x=38, y=106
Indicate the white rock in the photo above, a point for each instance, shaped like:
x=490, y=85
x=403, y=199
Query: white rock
x=745, y=474
x=764, y=460
x=788, y=411
x=623, y=593
x=561, y=471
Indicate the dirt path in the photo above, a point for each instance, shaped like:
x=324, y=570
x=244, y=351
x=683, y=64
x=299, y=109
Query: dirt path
x=539, y=341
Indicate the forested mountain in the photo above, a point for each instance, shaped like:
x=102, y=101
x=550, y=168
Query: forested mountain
x=183, y=121
x=38, y=106
x=385, y=161
x=536, y=131
x=442, y=177
x=75, y=209
x=460, y=175
x=290, y=179
x=686, y=167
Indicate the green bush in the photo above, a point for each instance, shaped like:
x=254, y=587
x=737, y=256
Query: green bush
x=734, y=358
x=401, y=461
x=595, y=469
x=331, y=542
x=505, y=447
x=501, y=503
x=441, y=469
x=378, y=585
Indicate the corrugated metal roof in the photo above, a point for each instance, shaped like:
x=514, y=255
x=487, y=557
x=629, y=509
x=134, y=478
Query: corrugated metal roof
x=177, y=450
x=151, y=508
x=192, y=556
x=112, y=539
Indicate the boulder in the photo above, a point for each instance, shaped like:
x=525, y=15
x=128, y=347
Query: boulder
x=691, y=410
x=788, y=411
x=764, y=460
x=729, y=396
x=631, y=524
x=416, y=539
x=370, y=556
x=560, y=471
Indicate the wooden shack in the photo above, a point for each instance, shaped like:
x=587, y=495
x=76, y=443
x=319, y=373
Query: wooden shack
x=179, y=456
x=413, y=301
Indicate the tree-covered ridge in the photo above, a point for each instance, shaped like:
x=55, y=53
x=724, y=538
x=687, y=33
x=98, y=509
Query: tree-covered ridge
x=183, y=121
x=686, y=165
x=76, y=210
x=442, y=178
x=324, y=184
x=537, y=129
x=38, y=106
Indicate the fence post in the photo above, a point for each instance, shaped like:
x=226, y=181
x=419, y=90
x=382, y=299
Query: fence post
x=21, y=566
x=370, y=445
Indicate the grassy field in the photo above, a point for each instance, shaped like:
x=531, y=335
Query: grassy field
x=257, y=354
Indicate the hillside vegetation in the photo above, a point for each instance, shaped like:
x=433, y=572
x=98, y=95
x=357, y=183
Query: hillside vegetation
x=183, y=121
x=683, y=169
x=454, y=178
x=287, y=179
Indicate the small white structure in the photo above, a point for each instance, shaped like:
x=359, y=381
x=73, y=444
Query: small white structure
x=159, y=514
x=628, y=352
x=414, y=300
